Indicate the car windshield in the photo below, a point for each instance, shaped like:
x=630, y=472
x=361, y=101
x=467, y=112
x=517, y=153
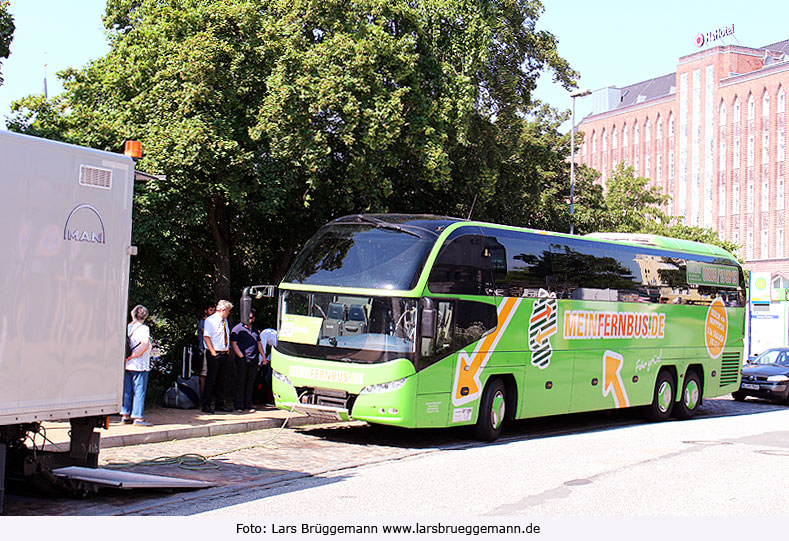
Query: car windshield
x=367, y=255
x=773, y=356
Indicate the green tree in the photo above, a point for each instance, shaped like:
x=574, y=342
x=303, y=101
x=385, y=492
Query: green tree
x=631, y=205
x=266, y=118
x=6, y=32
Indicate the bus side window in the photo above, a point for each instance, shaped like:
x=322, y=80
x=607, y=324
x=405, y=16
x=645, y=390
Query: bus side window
x=521, y=262
x=439, y=347
x=460, y=323
x=473, y=320
x=463, y=267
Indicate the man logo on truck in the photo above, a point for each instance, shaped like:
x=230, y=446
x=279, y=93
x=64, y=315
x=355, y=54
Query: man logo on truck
x=84, y=224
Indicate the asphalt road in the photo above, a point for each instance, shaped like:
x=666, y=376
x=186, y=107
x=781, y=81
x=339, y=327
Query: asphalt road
x=599, y=465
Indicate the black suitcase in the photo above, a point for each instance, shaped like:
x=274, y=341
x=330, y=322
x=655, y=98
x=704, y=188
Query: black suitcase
x=185, y=392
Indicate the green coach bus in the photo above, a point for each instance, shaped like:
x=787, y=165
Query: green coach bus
x=431, y=321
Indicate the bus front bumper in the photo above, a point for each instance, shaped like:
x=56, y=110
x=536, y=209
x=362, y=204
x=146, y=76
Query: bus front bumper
x=392, y=408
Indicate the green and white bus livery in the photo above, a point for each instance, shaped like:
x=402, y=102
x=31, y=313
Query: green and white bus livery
x=427, y=321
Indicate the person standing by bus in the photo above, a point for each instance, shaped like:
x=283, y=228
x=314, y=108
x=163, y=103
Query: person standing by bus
x=245, y=341
x=268, y=339
x=208, y=310
x=217, y=342
x=137, y=367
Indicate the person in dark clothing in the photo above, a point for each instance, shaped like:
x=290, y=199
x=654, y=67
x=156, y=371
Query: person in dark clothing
x=202, y=364
x=245, y=341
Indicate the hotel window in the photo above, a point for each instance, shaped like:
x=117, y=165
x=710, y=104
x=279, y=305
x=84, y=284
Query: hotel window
x=722, y=153
x=766, y=127
x=722, y=114
x=671, y=163
x=615, y=145
x=722, y=197
x=751, y=107
x=736, y=117
x=735, y=198
x=749, y=197
x=781, y=132
x=750, y=148
x=765, y=194
x=749, y=244
x=594, y=150
x=648, y=149
x=625, y=144
x=736, y=153
x=735, y=238
x=765, y=244
x=779, y=197
x=779, y=242
x=671, y=125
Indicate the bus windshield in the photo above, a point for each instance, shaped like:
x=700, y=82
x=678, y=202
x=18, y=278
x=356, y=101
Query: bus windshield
x=365, y=255
x=347, y=327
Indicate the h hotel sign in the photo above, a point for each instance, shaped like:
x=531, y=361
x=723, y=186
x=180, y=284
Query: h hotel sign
x=702, y=39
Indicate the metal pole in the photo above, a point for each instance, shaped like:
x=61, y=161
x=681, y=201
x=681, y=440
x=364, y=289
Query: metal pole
x=572, y=168
x=576, y=94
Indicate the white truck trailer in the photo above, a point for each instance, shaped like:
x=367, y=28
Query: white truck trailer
x=66, y=241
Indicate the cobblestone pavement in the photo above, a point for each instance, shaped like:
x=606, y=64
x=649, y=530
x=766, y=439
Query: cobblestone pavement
x=239, y=462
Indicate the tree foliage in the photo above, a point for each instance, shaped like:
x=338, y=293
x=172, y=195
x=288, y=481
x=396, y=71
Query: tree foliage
x=6, y=32
x=269, y=117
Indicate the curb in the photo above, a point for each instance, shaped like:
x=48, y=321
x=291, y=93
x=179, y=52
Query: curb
x=219, y=429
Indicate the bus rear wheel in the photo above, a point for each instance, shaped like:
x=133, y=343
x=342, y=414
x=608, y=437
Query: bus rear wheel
x=663, y=399
x=492, y=409
x=689, y=402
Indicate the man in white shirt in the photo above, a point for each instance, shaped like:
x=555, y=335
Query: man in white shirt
x=216, y=335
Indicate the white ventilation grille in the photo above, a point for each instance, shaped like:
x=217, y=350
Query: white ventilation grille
x=95, y=176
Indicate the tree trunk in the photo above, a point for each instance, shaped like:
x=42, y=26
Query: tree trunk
x=219, y=221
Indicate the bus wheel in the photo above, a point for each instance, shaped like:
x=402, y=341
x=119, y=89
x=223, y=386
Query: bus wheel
x=663, y=399
x=691, y=397
x=491, y=411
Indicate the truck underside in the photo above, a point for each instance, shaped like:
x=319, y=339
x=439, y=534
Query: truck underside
x=20, y=462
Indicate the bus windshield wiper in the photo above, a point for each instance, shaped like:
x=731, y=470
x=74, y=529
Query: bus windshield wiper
x=386, y=225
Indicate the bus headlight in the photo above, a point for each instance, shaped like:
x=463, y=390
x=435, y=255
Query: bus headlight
x=387, y=387
x=281, y=377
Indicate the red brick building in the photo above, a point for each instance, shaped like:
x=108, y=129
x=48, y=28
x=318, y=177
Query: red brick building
x=713, y=136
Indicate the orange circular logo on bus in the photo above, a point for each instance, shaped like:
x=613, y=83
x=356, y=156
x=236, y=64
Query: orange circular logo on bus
x=716, y=327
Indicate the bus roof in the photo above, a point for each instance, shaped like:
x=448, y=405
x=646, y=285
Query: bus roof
x=435, y=225
x=658, y=241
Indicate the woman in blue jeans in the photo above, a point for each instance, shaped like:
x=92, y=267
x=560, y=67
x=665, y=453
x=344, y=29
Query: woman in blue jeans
x=138, y=364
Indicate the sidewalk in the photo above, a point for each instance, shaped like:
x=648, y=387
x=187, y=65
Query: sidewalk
x=176, y=424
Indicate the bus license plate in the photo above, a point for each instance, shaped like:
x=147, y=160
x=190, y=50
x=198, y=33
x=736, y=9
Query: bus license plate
x=750, y=386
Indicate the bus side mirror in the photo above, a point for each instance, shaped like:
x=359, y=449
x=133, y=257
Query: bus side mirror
x=258, y=292
x=245, y=306
x=429, y=313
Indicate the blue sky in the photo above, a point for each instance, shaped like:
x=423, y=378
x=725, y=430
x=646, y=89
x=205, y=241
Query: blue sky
x=609, y=42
